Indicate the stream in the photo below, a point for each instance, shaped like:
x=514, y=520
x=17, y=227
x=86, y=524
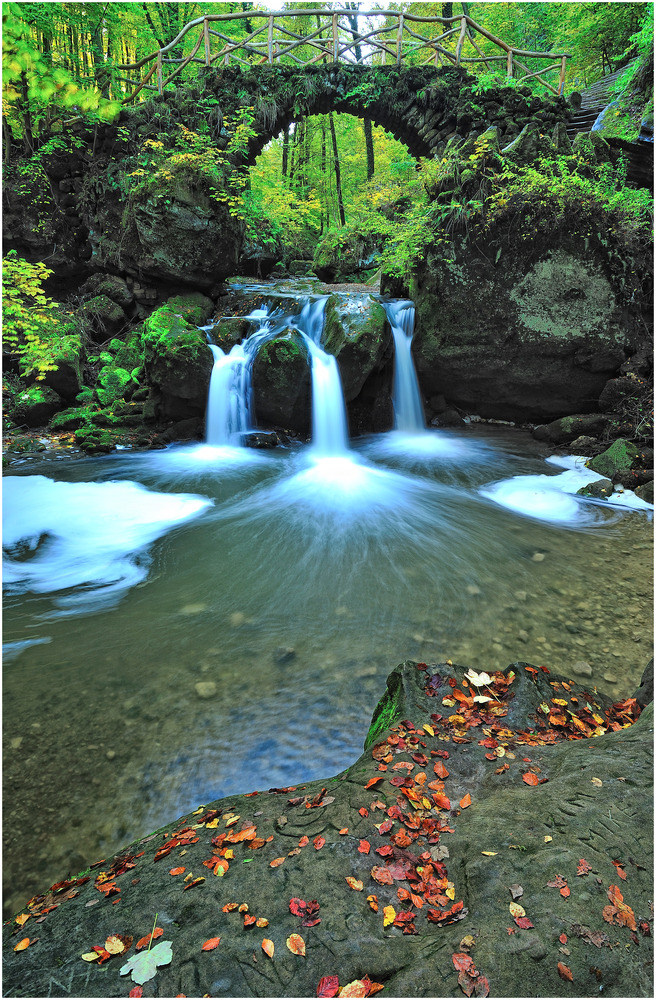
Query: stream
x=187, y=624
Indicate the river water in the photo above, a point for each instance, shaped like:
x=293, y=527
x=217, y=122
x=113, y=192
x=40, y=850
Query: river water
x=214, y=620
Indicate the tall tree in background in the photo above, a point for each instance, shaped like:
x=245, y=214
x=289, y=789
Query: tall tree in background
x=368, y=138
x=338, y=175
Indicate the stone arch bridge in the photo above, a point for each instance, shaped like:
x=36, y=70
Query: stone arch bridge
x=107, y=216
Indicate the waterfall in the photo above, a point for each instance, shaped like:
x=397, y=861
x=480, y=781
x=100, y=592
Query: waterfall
x=408, y=410
x=230, y=395
x=329, y=424
x=229, y=402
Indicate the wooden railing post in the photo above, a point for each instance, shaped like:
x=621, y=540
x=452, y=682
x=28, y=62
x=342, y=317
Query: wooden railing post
x=561, y=81
x=160, y=84
x=270, y=39
x=461, y=39
x=399, y=41
x=206, y=36
x=509, y=63
x=335, y=39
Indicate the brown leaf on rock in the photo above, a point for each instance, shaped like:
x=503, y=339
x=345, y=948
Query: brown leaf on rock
x=583, y=867
x=382, y=875
x=565, y=973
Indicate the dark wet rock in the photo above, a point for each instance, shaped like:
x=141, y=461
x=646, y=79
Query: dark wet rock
x=619, y=457
x=646, y=492
x=260, y=439
x=34, y=406
x=189, y=429
x=645, y=693
x=448, y=418
x=584, y=445
x=601, y=489
x=526, y=147
x=465, y=862
x=566, y=429
x=281, y=384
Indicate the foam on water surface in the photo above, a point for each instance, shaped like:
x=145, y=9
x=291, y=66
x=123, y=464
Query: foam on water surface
x=59, y=536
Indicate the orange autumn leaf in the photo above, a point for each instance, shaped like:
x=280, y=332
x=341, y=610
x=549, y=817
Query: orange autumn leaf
x=364, y=847
x=564, y=972
x=268, y=947
x=211, y=944
x=318, y=843
x=530, y=779
x=565, y=891
x=343, y=831
x=177, y=871
x=354, y=883
x=440, y=770
x=22, y=945
x=373, y=903
x=620, y=869
x=145, y=941
x=355, y=989
x=229, y=907
x=261, y=922
x=373, y=781
x=276, y=862
x=304, y=841
x=465, y=801
x=296, y=944
x=22, y=918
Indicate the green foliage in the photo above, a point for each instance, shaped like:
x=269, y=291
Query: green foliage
x=31, y=84
x=37, y=331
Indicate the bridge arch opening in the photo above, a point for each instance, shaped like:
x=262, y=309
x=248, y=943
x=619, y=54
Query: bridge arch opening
x=327, y=174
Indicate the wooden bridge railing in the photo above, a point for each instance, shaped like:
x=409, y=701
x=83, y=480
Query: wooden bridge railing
x=398, y=39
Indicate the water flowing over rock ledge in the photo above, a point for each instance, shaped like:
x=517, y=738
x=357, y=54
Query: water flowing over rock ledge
x=500, y=845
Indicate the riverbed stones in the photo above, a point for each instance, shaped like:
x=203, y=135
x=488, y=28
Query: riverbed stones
x=205, y=689
x=581, y=669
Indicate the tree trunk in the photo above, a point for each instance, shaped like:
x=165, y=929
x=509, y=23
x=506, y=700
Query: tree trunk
x=28, y=138
x=338, y=176
x=325, y=201
x=369, y=143
x=285, y=150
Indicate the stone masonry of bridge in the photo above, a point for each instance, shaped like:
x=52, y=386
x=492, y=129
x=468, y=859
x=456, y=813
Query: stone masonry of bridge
x=99, y=222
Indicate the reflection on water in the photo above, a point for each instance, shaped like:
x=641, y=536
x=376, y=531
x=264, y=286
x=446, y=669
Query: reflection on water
x=256, y=642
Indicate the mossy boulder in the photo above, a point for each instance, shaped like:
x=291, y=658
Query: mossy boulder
x=601, y=489
x=618, y=458
x=69, y=420
x=567, y=429
x=103, y=317
x=35, y=405
x=111, y=286
x=281, y=384
x=345, y=252
x=177, y=360
x=356, y=331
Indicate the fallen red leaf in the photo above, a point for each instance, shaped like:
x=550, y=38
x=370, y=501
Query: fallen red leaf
x=177, y=871
x=145, y=941
x=620, y=869
x=318, y=843
x=374, y=781
x=563, y=938
x=530, y=779
x=137, y=991
x=524, y=923
x=462, y=961
x=583, y=867
x=364, y=847
x=465, y=801
x=211, y=944
x=277, y=861
x=328, y=986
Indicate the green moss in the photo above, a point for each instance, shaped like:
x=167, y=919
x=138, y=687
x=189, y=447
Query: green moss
x=387, y=712
x=618, y=458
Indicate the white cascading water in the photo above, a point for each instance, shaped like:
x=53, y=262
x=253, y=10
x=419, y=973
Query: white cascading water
x=229, y=398
x=408, y=411
x=229, y=403
x=329, y=424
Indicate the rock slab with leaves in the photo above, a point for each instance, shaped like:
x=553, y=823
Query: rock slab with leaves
x=493, y=839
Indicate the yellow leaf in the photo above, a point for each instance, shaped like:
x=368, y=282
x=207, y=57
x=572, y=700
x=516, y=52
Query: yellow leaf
x=489, y=854
x=22, y=918
x=296, y=944
x=451, y=893
x=389, y=913
x=597, y=782
x=90, y=956
x=355, y=883
x=429, y=729
x=516, y=910
x=114, y=945
x=548, y=839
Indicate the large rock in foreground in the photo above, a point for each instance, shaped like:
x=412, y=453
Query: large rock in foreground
x=500, y=845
